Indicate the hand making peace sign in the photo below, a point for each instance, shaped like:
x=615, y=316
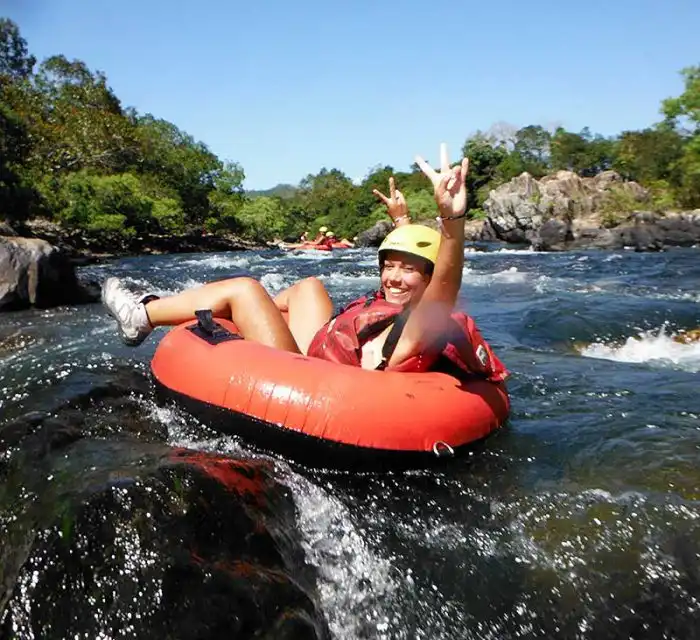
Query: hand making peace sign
x=449, y=184
x=395, y=204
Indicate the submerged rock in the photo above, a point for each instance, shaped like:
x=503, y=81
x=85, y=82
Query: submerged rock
x=125, y=536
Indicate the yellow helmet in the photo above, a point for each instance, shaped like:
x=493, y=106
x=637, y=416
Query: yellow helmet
x=416, y=239
x=322, y=229
x=329, y=234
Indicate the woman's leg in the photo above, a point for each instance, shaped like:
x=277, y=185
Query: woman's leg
x=307, y=307
x=288, y=322
x=242, y=300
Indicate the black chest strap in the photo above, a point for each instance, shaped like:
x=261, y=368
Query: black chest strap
x=393, y=338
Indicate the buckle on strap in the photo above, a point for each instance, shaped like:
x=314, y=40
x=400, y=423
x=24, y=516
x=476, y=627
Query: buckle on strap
x=210, y=331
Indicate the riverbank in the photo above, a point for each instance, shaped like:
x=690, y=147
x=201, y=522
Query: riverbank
x=81, y=248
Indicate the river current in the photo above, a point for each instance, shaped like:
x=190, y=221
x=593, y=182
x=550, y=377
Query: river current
x=122, y=517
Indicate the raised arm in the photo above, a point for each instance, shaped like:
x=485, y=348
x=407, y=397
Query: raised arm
x=429, y=320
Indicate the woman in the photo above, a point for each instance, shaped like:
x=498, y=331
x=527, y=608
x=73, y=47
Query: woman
x=407, y=325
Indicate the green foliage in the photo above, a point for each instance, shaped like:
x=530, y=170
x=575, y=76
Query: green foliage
x=532, y=149
x=662, y=195
x=421, y=205
x=683, y=113
x=581, y=152
x=649, y=155
x=618, y=204
x=485, y=155
x=687, y=105
x=610, y=218
x=15, y=61
x=109, y=224
x=116, y=204
x=69, y=150
x=263, y=218
x=89, y=198
x=168, y=215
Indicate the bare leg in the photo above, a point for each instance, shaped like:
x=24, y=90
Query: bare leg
x=307, y=307
x=243, y=300
x=258, y=317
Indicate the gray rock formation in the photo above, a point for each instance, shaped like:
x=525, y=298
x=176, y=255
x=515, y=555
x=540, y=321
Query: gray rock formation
x=35, y=273
x=564, y=211
x=518, y=209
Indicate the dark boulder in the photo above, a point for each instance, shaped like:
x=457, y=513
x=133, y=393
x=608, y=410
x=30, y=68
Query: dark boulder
x=35, y=273
x=374, y=236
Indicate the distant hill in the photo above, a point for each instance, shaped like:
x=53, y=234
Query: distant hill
x=278, y=191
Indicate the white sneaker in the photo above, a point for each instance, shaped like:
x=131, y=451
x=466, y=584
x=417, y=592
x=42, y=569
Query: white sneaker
x=128, y=310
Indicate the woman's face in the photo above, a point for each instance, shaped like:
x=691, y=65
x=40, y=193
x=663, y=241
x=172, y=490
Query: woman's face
x=403, y=278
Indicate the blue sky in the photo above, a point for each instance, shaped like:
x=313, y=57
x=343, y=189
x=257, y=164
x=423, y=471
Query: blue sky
x=286, y=88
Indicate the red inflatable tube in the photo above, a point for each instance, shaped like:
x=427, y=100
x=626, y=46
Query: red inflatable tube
x=316, y=247
x=287, y=394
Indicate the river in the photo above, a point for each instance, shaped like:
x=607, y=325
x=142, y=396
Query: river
x=121, y=517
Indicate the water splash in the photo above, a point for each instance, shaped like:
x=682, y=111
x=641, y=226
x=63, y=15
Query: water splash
x=654, y=347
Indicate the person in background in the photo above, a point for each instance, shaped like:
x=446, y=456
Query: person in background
x=320, y=235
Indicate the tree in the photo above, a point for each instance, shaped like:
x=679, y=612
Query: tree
x=263, y=218
x=15, y=62
x=532, y=145
x=485, y=155
x=77, y=121
x=582, y=152
x=227, y=198
x=687, y=105
x=186, y=167
x=650, y=155
x=683, y=113
x=16, y=66
x=328, y=198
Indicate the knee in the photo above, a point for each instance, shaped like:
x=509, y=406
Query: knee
x=243, y=287
x=311, y=286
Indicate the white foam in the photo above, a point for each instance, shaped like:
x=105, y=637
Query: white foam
x=519, y=252
x=217, y=262
x=648, y=347
x=275, y=282
x=507, y=276
x=309, y=254
x=339, y=279
x=356, y=585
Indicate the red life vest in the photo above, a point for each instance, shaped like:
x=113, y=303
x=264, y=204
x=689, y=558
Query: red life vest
x=462, y=351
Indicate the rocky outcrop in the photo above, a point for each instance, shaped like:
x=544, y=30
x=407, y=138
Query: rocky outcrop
x=35, y=273
x=518, y=209
x=564, y=211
